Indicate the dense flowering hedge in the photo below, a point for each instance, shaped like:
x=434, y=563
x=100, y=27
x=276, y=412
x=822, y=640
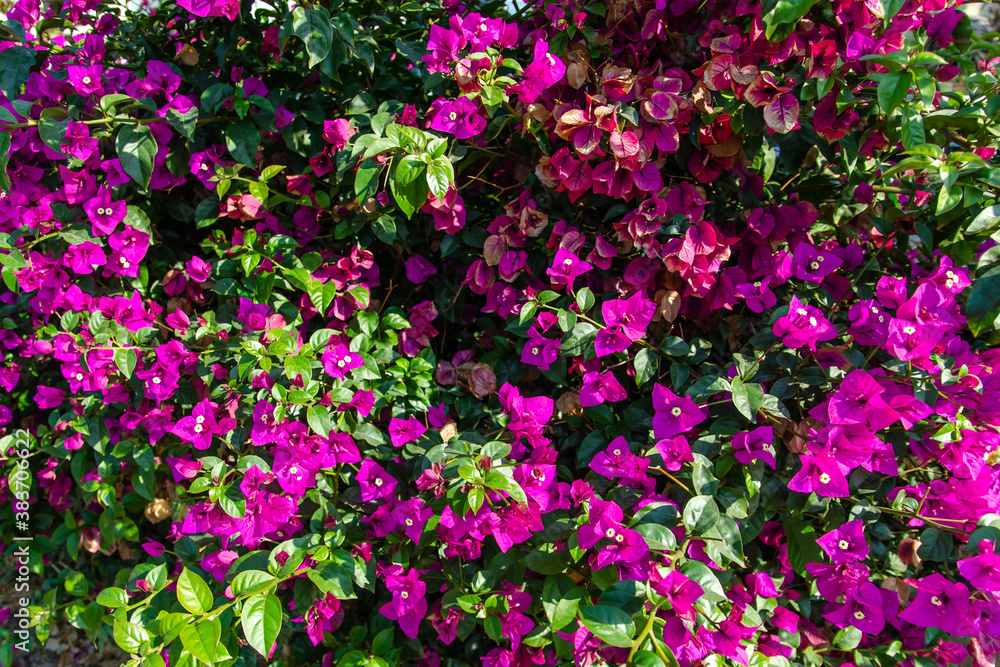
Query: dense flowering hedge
x=641, y=331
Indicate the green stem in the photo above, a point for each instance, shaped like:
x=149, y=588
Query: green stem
x=645, y=631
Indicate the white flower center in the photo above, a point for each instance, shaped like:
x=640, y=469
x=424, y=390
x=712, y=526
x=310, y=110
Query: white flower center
x=79, y=376
x=409, y=522
x=812, y=321
x=824, y=478
x=452, y=116
x=609, y=533
x=936, y=601
x=802, y=311
x=378, y=481
x=617, y=452
x=860, y=615
x=86, y=80
x=908, y=330
x=198, y=428
x=814, y=266
x=534, y=350
x=156, y=380
x=200, y=419
x=676, y=412
x=404, y=595
x=843, y=545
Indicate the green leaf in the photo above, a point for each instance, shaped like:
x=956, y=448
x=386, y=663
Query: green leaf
x=51, y=131
x=476, y=498
x=261, y=620
x=136, y=147
x=409, y=185
x=270, y=171
x=380, y=145
x=366, y=179
x=584, y=299
x=646, y=362
x=657, y=537
x=4, y=160
x=528, y=311
x=891, y=8
x=802, y=546
x=912, y=128
x=313, y=27
x=125, y=359
x=13, y=260
x=129, y=636
x=935, y=545
x=496, y=481
x=296, y=365
x=241, y=142
x=986, y=222
x=259, y=191
x=610, y=624
x=336, y=576
x=748, y=398
x=112, y=598
x=847, y=638
x=440, y=176
x=561, y=600
x=647, y=659
x=775, y=14
x=727, y=544
x=700, y=514
x=318, y=417
x=185, y=123
x=892, y=90
x=193, y=593
x=15, y=67
x=705, y=577
x=202, y=640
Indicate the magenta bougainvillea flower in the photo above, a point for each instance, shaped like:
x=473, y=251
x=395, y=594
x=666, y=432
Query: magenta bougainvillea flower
x=608, y=211
x=846, y=543
x=402, y=431
x=375, y=482
x=821, y=475
x=619, y=461
x=674, y=414
x=862, y=608
x=676, y=452
x=940, y=603
x=419, y=269
x=626, y=321
x=539, y=350
x=566, y=268
x=460, y=117
x=325, y=615
x=803, y=325
x=757, y=444
x=600, y=387
x=199, y=427
x=338, y=361
x=620, y=544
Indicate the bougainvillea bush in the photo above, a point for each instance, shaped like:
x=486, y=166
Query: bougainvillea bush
x=644, y=332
